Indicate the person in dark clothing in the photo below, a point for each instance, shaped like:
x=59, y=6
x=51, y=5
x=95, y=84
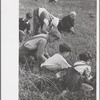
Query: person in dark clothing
x=67, y=23
x=74, y=77
x=24, y=24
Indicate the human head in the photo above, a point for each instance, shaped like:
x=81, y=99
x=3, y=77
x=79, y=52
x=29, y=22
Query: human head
x=73, y=14
x=85, y=56
x=28, y=15
x=64, y=49
x=55, y=34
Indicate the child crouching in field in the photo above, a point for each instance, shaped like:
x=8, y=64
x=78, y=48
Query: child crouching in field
x=58, y=61
x=83, y=66
x=76, y=75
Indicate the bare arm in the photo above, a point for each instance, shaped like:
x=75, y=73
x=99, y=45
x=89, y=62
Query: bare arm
x=72, y=29
x=87, y=73
x=46, y=53
x=41, y=50
x=46, y=23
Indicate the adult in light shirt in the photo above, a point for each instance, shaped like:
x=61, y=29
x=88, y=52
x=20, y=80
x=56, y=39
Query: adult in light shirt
x=36, y=46
x=44, y=20
x=58, y=61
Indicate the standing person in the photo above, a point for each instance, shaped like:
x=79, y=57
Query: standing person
x=24, y=24
x=67, y=22
x=44, y=20
x=58, y=61
x=36, y=46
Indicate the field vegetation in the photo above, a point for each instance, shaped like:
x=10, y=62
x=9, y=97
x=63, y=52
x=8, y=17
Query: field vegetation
x=84, y=39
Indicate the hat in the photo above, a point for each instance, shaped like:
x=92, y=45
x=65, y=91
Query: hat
x=29, y=15
x=55, y=33
x=55, y=21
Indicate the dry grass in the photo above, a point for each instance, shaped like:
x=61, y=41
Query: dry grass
x=83, y=40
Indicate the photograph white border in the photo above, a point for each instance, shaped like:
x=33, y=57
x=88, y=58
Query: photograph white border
x=10, y=45
x=97, y=56
x=9, y=49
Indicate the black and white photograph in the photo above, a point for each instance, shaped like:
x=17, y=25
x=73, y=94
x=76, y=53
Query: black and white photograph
x=55, y=47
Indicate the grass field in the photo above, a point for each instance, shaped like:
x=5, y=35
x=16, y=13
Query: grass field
x=83, y=40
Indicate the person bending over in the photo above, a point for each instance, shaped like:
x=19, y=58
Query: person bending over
x=67, y=22
x=58, y=60
x=24, y=24
x=36, y=46
x=44, y=20
x=75, y=76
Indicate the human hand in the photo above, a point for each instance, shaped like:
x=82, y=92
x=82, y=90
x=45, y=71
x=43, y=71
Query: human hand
x=28, y=32
x=72, y=30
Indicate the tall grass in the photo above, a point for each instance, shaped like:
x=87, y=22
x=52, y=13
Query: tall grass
x=83, y=40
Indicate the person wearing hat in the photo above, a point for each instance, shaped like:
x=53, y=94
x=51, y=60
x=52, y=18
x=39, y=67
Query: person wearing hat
x=58, y=61
x=67, y=22
x=44, y=20
x=36, y=46
x=24, y=24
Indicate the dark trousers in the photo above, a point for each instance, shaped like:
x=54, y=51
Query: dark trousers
x=36, y=22
x=72, y=80
x=63, y=28
x=25, y=53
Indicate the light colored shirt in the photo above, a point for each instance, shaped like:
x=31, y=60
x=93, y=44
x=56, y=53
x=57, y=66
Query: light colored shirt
x=39, y=43
x=56, y=62
x=33, y=43
x=82, y=67
x=54, y=21
x=47, y=17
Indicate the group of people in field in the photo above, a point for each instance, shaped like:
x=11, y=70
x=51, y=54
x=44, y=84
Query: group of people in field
x=47, y=29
